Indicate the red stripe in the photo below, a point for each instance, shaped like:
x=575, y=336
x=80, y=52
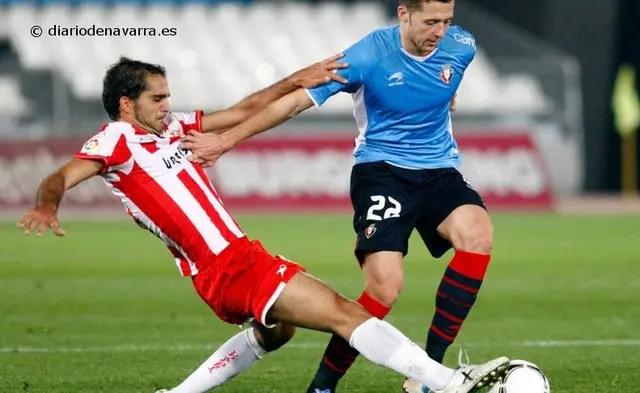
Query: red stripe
x=442, y=334
x=459, y=303
x=470, y=264
x=103, y=160
x=458, y=285
x=156, y=204
x=448, y=316
x=119, y=155
x=373, y=306
x=444, y=296
x=185, y=268
x=121, y=152
x=199, y=114
x=331, y=366
x=206, y=181
x=206, y=205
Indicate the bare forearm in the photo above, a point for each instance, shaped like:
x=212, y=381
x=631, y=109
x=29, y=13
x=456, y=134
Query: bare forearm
x=272, y=93
x=270, y=117
x=51, y=190
x=222, y=121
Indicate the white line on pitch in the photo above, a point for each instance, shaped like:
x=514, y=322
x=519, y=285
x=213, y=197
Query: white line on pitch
x=312, y=345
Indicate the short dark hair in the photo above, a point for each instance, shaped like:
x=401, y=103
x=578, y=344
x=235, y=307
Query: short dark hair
x=413, y=5
x=126, y=78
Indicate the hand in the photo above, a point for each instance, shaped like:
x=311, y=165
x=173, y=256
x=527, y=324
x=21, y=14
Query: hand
x=205, y=148
x=452, y=107
x=320, y=73
x=42, y=217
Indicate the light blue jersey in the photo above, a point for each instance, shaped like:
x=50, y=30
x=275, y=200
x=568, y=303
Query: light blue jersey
x=402, y=101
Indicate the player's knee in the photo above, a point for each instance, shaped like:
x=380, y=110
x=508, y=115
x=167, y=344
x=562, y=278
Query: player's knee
x=384, y=292
x=478, y=239
x=384, y=276
x=468, y=228
x=485, y=241
x=274, y=338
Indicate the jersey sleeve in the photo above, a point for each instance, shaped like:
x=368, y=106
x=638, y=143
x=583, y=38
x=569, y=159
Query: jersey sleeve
x=358, y=58
x=470, y=54
x=190, y=121
x=466, y=44
x=108, y=146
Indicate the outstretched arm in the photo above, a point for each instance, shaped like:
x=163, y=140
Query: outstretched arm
x=315, y=75
x=51, y=191
x=273, y=115
x=207, y=149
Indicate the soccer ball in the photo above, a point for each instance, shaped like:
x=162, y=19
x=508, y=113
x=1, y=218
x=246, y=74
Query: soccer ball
x=522, y=377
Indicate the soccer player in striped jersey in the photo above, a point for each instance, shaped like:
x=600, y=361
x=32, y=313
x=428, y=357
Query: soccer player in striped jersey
x=139, y=157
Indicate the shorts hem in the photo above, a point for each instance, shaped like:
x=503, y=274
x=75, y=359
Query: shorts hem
x=276, y=294
x=361, y=252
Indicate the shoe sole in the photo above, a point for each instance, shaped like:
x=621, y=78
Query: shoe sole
x=493, y=377
x=488, y=381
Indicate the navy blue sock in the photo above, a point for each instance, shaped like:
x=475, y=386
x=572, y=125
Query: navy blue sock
x=456, y=296
x=339, y=355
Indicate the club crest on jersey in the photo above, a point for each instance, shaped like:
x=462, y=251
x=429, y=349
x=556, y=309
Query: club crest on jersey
x=173, y=130
x=447, y=73
x=370, y=230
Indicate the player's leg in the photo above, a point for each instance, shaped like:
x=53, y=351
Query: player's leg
x=460, y=221
x=235, y=356
x=456, y=218
x=228, y=290
x=308, y=303
x=383, y=281
x=383, y=221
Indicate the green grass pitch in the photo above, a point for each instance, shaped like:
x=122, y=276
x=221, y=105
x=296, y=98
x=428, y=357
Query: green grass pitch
x=105, y=310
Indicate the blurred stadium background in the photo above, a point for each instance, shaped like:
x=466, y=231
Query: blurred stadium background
x=540, y=88
x=103, y=310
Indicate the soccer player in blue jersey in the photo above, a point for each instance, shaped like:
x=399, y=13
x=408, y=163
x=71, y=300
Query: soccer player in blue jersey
x=403, y=79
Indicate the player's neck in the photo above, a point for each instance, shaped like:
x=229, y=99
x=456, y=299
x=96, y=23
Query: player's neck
x=141, y=126
x=415, y=52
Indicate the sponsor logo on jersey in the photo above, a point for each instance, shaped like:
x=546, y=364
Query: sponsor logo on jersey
x=175, y=159
x=463, y=39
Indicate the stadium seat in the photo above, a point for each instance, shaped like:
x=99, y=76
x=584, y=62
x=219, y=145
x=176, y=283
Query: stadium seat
x=224, y=51
x=12, y=103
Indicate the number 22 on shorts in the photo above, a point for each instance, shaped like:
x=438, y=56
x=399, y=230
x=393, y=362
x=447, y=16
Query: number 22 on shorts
x=379, y=204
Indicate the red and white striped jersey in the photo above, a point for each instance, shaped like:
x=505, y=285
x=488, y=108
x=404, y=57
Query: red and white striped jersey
x=164, y=193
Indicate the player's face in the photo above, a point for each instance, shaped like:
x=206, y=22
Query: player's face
x=153, y=105
x=425, y=27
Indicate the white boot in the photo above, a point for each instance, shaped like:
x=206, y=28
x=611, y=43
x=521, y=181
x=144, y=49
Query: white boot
x=467, y=378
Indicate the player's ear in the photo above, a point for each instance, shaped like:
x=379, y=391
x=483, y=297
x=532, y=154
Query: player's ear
x=126, y=105
x=403, y=14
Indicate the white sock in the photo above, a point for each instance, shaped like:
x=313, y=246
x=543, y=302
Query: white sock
x=231, y=359
x=386, y=346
